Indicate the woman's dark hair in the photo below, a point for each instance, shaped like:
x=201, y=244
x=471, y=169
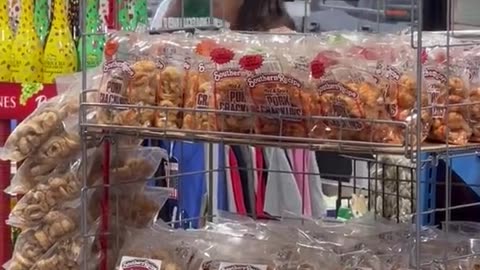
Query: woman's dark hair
x=262, y=15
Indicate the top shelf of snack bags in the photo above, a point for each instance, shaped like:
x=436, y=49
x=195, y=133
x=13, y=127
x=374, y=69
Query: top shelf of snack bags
x=335, y=91
x=40, y=41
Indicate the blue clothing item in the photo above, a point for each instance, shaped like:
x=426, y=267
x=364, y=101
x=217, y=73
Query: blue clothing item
x=222, y=193
x=191, y=187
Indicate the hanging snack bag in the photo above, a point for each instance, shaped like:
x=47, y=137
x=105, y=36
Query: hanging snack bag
x=172, y=66
x=129, y=78
x=353, y=98
x=52, y=156
x=47, y=120
x=230, y=97
x=393, y=63
x=199, y=87
x=472, y=60
x=447, y=97
x=278, y=93
x=32, y=243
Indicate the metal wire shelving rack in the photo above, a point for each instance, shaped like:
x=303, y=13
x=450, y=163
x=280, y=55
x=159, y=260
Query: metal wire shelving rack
x=424, y=157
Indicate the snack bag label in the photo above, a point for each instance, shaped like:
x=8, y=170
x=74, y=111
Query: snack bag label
x=338, y=104
x=277, y=101
x=241, y=266
x=235, y=100
x=435, y=82
x=135, y=263
x=124, y=66
x=202, y=101
x=114, y=93
x=392, y=75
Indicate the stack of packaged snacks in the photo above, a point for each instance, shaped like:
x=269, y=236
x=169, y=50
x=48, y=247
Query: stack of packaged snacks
x=279, y=90
x=472, y=63
x=447, y=87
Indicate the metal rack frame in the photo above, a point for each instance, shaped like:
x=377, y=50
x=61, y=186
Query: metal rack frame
x=425, y=156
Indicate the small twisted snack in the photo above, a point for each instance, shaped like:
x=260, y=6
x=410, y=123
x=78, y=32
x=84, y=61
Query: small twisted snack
x=33, y=243
x=170, y=95
x=39, y=201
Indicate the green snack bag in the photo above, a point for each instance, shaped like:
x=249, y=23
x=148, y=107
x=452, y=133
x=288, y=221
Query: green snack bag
x=123, y=7
x=42, y=19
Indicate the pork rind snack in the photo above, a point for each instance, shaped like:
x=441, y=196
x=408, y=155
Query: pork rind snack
x=66, y=254
x=448, y=97
x=171, y=61
x=472, y=62
x=33, y=243
x=199, y=87
x=393, y=63
x=38, y=202
x=129, y=78
x=54, y=155
x=349, y=94
x=230, y=96
x=279, y=94
x=132, y=205
x=35, y=130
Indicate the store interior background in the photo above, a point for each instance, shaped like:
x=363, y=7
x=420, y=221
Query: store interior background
x=357, y=15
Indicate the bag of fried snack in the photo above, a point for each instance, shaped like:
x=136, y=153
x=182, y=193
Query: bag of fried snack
x=68, y=253
x=131, y=163
x=352, y=98
x=129, y=78
x=219, y=251
x=447, y=87
x=472, y=63
x=32, y=243
x=392, y=60
x=44, y=197
x=55, y=155
x=172, y=54
x=39, y=126
x=279, y=92
x=199, y=87
x=131, y=204
x=164, y=249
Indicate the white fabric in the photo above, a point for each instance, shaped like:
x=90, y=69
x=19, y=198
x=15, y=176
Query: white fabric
x=317, y=197
x=282, y=193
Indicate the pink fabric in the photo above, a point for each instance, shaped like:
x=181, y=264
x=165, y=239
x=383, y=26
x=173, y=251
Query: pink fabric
x=300, y=163
x=236, y=183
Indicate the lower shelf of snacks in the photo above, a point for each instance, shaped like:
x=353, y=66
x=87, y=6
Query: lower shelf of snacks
x=277, y=141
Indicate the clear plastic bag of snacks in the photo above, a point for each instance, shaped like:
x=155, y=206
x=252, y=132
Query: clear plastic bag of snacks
x=353, y=99
x=217, y=252
x=472, y=63
x=199, y=86
x=50, y=118
x=55, y=155
x=166, y=250
x=392, y=59
x=32, y=243
x=279, y=91
x=173, y=63
x=447, y=90
x=229, y=88
x=129, y=78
